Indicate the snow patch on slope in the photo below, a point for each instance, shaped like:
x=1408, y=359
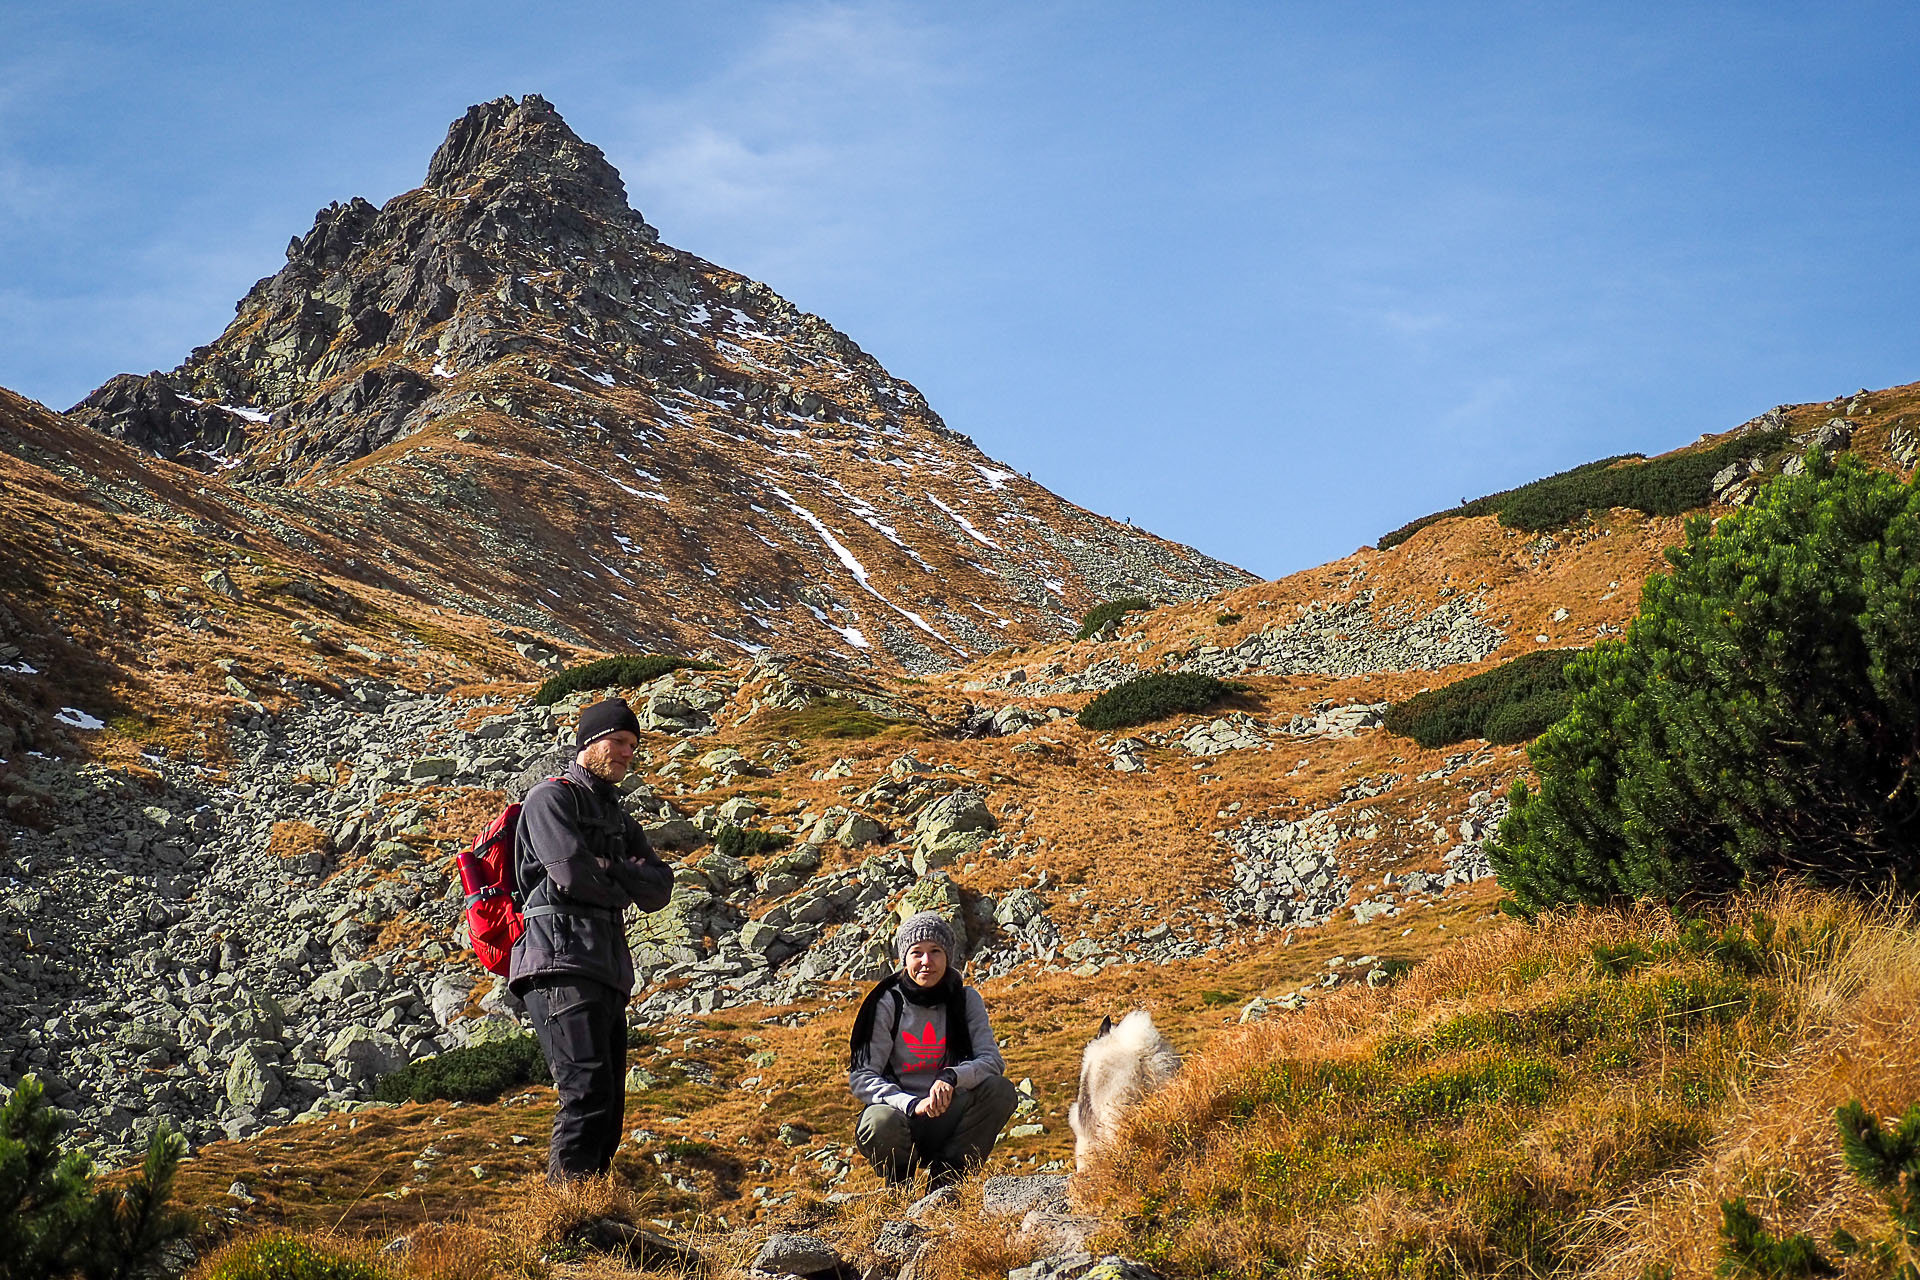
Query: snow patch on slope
x=963, y=522
x=853, y=565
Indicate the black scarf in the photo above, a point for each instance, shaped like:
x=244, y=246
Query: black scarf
x=949, y=991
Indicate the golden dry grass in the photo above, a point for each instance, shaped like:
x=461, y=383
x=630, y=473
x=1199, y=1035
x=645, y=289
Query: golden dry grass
x=1857, y=1022
x=1513, y=1108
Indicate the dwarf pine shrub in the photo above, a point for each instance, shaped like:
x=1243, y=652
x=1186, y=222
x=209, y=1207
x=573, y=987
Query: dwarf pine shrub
x=1668, y=486
x=476, y=1073
x=745, y=842
x=1113, y=610
x=1761, y=717
x=1147, y=698
x=281, y=1256
x=57, y=1221
x=1887, y=1160
x=1511, y=703
x=1491, y=503
x=1748, y=1251
x=623, y=671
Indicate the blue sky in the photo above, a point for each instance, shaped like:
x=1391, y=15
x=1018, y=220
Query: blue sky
x=1267, y=278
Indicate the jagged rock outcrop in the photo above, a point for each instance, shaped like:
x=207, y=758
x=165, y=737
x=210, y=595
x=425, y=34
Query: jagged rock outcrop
x=149, y=414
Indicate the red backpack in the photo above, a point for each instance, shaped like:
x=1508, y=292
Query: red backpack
x=494, y=922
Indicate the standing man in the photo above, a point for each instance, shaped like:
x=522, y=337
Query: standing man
x=580, y=862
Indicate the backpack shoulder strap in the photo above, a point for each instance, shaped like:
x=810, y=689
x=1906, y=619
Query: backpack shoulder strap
x=899, y=1001
x=519, y=894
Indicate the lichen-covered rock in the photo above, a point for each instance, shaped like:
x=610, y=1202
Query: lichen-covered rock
x=937, y=892
x=361, y=1053
x=253, y=1082
x=859, y=831
x=950, y=827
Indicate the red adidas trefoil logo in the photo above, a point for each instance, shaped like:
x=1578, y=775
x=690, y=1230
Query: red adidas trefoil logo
x=925, y=1051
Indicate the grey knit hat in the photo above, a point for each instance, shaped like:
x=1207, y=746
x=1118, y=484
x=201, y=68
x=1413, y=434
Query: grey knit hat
x=927, y=926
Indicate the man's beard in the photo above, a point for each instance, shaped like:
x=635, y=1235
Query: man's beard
x=601, y=766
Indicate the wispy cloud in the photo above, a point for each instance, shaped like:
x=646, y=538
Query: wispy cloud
x=817, y=113
x=1485, y=397
x=29, y=191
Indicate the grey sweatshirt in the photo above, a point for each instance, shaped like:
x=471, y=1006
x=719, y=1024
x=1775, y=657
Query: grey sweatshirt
x=913, y=1047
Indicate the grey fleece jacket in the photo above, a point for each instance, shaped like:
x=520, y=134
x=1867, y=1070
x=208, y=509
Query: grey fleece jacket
x=909, y=1043
x=578, y=851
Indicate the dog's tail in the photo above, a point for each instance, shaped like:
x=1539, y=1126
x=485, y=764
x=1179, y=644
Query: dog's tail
x=1137, y=1038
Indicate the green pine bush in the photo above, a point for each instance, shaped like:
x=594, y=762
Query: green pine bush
x=1101, y=614
x=57, y=1221
x=745, y=842
x=1511, y=703
x=1748, y=1251
x=476, y=1073
x=1669, y=486
x=280, y=1256
x=1147, y=698
x=1761, y=717
x=1491, y=503
x=1887, y=1160
x=624, y=671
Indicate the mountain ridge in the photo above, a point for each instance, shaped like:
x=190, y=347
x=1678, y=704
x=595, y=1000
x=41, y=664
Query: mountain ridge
x=514, y=316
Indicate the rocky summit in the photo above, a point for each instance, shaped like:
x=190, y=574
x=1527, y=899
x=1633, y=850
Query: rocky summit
x=539, y=413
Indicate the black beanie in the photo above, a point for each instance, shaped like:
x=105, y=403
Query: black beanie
x=603, y=718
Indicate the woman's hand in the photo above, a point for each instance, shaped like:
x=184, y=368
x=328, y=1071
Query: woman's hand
x=938, y=1099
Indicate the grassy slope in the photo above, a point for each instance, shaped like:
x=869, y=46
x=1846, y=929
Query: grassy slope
x=1577, y=1095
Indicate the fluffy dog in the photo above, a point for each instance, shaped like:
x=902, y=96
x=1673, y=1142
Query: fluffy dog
x=1122, y=1065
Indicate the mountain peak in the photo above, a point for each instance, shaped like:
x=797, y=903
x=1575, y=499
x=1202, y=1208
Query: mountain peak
x=618, y=441
x=523, y=141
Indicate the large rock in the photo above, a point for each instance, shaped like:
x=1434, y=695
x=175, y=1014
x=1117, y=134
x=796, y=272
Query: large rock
x=859, y=831
x=726, y=873
x=739, y=810
x=359, y=975
x=148, y=414
x=1010, y=1194
x=432, y=769
x=666, y=713
x=1904, y=447
x=674, y=835
x=758, y=937
x=788, y=871
x=1831, y=435
x=361, y=1053
x=258, y=1017
x=253, y=1082
x=791, y=1254
x=1018, y=908
x=950, y=828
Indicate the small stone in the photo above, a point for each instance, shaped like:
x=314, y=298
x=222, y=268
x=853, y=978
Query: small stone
x=791, y=1254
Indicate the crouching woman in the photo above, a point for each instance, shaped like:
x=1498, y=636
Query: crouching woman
x=926, y=1064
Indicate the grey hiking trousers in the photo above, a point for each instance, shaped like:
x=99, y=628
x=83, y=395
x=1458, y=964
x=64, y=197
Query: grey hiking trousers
x=895, y=1144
